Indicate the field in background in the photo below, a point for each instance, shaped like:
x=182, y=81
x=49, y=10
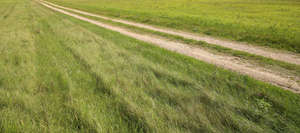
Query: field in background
x=59, y=74
x=271, y=23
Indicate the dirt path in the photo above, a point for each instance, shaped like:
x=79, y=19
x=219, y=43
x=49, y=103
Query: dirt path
x=266, y=52
x=198, y=53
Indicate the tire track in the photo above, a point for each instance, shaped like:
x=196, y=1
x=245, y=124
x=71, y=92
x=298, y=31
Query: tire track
x=288, y=57
x=226, y=62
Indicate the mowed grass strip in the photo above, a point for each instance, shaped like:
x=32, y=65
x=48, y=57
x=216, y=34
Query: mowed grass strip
x=271, y=23
x=59, y=74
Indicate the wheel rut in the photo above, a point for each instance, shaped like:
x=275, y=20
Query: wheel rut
x=227, y=62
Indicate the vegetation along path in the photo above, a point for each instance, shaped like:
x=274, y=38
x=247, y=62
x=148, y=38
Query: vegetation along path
x=223, y=61
x=60, y=74
x=257, y=50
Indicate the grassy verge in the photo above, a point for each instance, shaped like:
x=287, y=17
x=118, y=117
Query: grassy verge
x=270, y=23
x=59, y=74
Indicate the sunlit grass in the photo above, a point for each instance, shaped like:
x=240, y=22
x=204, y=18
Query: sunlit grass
x=59, y=74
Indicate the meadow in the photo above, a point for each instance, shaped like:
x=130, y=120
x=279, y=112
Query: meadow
x=59, y=74
x=270, y=23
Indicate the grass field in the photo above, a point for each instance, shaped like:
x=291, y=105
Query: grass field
x=271, y=23
x=59, y=74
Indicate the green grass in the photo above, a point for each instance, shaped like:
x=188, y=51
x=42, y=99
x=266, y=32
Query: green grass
x=59, y=74
x=271, y=23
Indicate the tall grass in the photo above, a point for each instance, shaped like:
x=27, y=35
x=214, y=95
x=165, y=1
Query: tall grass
x=59, y=74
